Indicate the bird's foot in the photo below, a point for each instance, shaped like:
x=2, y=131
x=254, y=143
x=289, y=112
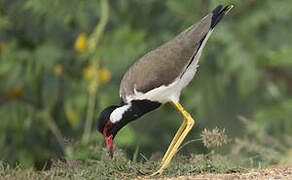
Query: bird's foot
x=159, y=172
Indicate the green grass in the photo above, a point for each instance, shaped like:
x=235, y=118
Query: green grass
x=100, y=165
x=92, y=162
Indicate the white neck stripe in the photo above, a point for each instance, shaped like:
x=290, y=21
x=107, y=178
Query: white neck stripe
x=117, y=114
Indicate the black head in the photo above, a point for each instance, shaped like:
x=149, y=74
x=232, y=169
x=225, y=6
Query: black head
x=106, y=127
x=104, y=117
x=114, y=118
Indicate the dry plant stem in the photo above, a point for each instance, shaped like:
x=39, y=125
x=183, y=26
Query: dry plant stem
x=56, y=132
x=92, y=45
x=189, y=142
x=179, y=139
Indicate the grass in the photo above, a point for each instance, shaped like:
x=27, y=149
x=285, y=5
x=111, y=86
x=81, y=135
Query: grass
x=91, y=162
x=119, y=167
x=101, y=165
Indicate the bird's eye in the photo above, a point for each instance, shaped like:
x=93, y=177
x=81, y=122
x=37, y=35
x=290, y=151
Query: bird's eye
x=108, y=124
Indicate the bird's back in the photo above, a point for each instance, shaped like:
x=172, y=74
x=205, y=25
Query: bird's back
x=164, y=64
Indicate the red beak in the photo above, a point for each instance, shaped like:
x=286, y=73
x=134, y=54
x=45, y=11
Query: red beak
x=109, y=143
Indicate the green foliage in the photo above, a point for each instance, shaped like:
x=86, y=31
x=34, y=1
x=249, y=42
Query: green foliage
x=259, y=149
x=61, y=62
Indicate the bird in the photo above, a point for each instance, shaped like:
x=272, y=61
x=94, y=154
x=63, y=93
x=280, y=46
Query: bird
x=158, y=78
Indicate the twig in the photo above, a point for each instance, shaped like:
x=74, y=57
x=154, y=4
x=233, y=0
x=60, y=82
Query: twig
x=194, y=140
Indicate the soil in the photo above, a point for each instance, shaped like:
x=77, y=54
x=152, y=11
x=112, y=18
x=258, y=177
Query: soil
x=273, y=172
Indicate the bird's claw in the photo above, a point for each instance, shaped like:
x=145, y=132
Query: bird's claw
x=159, y=172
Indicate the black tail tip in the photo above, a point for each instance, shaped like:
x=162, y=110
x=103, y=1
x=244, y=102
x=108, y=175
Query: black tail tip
x=227, y=9
x=217, y=9
x=218, y=13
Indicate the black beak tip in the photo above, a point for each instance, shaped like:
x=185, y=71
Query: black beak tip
x=111, y=153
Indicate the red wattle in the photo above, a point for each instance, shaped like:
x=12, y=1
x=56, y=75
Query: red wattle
x=109, y=141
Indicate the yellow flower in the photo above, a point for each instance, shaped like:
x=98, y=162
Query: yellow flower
x=58, y=70
x=81, y=42
x=87, y=73
x=104, y=75
x=15, y=92
x=2, y=46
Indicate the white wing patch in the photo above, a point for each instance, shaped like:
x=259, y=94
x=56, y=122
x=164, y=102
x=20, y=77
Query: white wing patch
x=162, y=94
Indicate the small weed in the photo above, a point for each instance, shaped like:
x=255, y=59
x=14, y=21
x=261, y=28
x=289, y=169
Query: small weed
x=214, y=138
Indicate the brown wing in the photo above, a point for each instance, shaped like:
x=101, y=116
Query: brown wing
x=164, y=64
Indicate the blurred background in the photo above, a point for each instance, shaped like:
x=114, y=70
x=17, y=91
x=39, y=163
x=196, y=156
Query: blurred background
x=61, y=63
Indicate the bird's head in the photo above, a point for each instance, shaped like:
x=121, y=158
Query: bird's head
x=110, y=122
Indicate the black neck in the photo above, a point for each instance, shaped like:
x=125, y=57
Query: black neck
x=138, y=108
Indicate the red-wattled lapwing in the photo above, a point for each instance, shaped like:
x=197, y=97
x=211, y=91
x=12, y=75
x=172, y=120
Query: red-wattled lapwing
x=158, y=78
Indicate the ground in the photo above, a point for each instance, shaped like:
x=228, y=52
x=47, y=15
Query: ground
x=273, y=172
x=94, y=163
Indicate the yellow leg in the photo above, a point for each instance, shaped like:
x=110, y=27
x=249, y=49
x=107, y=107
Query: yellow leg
x=174, y=140
x=178, y=139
